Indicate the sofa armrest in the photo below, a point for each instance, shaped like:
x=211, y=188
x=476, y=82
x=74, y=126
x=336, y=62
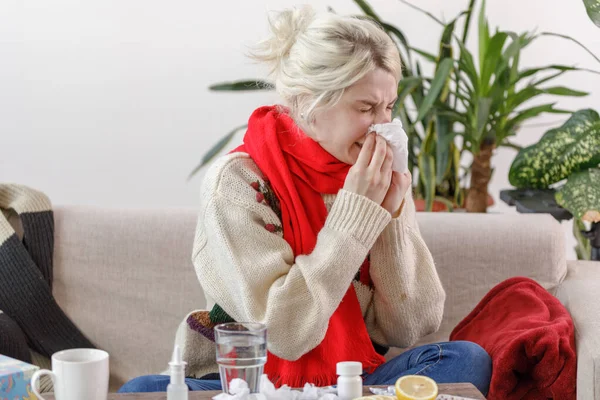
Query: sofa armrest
x=579, y=294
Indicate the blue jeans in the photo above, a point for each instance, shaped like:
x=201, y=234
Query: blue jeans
x=448, y=362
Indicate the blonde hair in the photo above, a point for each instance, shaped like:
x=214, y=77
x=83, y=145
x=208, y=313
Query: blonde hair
x=315, y=57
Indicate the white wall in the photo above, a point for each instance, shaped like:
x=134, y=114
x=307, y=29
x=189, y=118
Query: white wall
x=106, y=102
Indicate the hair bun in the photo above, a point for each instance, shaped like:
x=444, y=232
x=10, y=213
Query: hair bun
x=285, y=26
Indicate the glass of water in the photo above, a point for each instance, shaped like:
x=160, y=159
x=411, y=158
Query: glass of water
x=241, y=353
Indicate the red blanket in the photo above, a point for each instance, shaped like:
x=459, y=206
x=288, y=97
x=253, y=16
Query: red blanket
x=529, y=335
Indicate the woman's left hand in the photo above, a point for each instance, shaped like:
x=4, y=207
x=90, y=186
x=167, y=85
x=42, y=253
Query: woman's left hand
x=401, y=183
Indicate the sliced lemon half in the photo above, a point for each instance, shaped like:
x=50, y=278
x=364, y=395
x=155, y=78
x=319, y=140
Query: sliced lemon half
x=416, y=387
x=376, y=397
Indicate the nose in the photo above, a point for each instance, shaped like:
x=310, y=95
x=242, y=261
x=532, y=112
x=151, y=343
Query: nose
x=383, y=117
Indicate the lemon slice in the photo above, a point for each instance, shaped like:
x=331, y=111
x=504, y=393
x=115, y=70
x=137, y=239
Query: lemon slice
x=376, y=397
x=416, y=387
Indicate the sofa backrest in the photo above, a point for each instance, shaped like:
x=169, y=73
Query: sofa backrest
x=126, y=279
x=475, y=252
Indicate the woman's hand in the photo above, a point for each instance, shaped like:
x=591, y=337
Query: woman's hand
x=371, y=175
x=393, y=201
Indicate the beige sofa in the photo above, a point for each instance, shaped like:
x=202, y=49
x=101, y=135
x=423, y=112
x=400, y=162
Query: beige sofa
x=125, y=278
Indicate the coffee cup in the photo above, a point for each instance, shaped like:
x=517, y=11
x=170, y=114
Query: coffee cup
x=77, y=374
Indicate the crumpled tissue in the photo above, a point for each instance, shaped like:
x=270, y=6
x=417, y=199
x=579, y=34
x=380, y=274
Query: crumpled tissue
x=394, y=134
x=388, y=391
x=239, y=391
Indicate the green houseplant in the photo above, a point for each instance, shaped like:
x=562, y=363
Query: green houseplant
x=487, y=98
x=593, y=9
x=483, y=102
x=570, y=152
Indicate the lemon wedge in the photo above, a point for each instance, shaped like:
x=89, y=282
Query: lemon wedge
x=416, y=387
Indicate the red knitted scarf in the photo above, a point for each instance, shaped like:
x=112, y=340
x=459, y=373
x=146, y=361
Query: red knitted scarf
x=299, y=171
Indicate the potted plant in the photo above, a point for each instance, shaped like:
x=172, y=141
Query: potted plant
x=481, y=99
x=566, y=159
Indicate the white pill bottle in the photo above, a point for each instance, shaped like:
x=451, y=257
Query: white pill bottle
x=349, y=383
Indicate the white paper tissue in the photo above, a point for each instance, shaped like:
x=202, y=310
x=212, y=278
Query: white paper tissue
x=395, y=135
x=239, y=391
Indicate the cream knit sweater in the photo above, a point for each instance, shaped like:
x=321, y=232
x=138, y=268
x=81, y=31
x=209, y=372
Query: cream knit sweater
x=245, y=266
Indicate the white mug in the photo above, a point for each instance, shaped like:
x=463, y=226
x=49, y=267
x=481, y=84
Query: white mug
x=77, y=374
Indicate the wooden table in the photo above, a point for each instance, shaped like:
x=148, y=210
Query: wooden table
x=457, y=389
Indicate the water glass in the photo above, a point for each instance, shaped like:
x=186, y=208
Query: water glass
x=241, y=353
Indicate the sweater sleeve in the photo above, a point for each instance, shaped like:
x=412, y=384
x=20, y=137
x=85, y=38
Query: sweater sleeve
x=245, y=265
x=408, y=297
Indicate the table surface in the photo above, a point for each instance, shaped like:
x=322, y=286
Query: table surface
x=456, y=389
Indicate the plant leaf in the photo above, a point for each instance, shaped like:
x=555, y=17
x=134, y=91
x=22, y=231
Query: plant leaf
x=561, y=151
x=458, y=193
x=414, y=141
x=466, y=100
x=446, y=51
x=572, y=40
x=534, y=112
x=468, y=21
x=446, y=202
x=426, y=55
x=430, y=15
x=490, y=61
x=593, y=10
x=483, y=113
x=427, y=177
x=467, y=65
x=454, y=116
x=405, y=87
x=245, y=85
x=418, y=94
x=547, y=78
x=510, y=145
x=501, y=90
x=484, y=34
x=442, y=147
x=563, y=91
x=210, y=154
x=530, y=92
x=581, y=195
x=446, y=40
x=436, y=87
x=367, y=9
x=521, y=97
x=426, y=163
x=583, y=249
x=512, y=52
x=469, y=14
x=402, y=38
x=531, y=71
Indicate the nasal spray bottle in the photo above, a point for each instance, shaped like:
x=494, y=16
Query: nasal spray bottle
x=177, y=389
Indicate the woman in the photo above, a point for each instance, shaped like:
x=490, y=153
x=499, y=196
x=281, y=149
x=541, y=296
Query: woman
x=307, y=229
